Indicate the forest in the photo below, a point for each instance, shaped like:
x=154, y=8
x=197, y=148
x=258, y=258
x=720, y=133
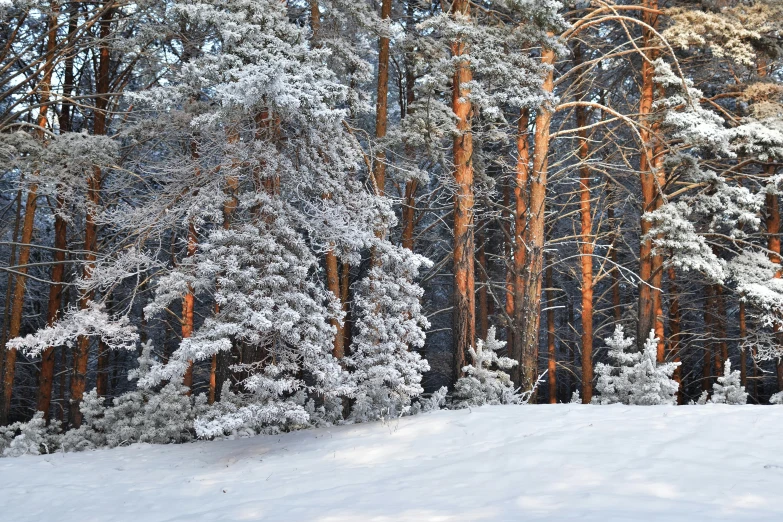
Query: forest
x=238, y=217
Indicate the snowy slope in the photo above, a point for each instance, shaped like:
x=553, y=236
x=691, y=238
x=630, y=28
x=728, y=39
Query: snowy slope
x=516, y=463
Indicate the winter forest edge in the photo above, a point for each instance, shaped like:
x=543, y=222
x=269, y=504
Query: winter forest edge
x=223, y=218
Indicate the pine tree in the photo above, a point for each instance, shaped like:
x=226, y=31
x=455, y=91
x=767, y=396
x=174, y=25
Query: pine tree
x=728, y=389
x=486, y=380
x=385, y=372
x=635, y=377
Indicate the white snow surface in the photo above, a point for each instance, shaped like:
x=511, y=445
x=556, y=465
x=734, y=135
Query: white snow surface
x=515, y=463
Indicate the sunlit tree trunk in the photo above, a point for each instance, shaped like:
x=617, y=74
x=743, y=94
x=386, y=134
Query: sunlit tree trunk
x=515, y=300
x=586, y=250
x=650, y=266
x=464, y=329
x=529, y=307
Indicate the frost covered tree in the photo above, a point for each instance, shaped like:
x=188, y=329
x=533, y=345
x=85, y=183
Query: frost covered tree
x=727, y=389
x=261, y=276
x=487, y=380
x=634, y=377
x=155, y=415
x=385, y=371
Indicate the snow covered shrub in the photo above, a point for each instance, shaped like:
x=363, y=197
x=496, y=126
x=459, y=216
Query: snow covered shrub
x=485, y=381
x=777, y=398
x=244, y=415
x=436, y=401
x=385, y=373
x=728, y=389
x=634, y=377
x=27, y=438
x=703, y=399
x=143, y=415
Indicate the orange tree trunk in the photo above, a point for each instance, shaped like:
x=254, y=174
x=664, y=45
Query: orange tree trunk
x=586, y=258
x=514, y=302
x=529, y=307
x=8, y=294
x=649, y=268
x=508, y=249
x=17, y=304
x=464, y=331
x=46, y=377
x=79, y=377
x=773, y=245
x=188, y=305
x=382, y=107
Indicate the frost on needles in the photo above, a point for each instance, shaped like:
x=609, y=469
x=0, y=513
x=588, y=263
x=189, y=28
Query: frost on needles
x=634, y=377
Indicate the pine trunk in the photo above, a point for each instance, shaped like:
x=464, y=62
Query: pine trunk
x=79, y=377
x=17, y=303
x=464, y=331
x=528, y=309
x=773, y=245
x=508, y=250
x=521, y=201
x=382, y=107
x=650, y=269
x=586, y=247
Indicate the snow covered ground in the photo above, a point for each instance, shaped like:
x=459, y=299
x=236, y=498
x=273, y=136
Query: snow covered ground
x=516, y=463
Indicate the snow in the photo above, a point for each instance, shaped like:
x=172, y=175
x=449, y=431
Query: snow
x=544, y=462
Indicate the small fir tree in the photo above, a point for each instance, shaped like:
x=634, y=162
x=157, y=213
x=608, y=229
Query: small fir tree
x=486, y=381
x=728, y=389
x=635, y=378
